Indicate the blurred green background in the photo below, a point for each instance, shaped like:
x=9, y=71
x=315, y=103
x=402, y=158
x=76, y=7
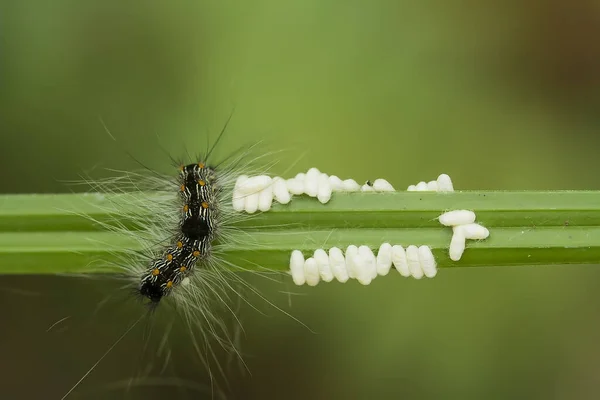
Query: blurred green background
x=498, y=94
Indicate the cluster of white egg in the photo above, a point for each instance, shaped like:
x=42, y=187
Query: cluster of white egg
x=256, y=193
x=464, y=227
x=442, y=184
x=361, y=263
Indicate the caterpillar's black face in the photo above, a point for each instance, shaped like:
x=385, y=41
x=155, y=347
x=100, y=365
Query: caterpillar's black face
x=152, y=291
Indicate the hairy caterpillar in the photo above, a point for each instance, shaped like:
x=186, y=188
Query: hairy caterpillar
x=194, y=236
x=182, y=232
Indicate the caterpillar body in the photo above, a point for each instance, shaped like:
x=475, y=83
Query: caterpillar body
x=196, y=231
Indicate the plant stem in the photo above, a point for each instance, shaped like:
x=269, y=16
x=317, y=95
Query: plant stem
x=51, y=233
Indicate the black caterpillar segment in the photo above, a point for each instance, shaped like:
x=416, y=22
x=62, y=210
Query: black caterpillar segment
x=195, y=234
x=195, y=227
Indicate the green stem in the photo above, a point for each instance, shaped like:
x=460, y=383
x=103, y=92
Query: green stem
x=54, y=234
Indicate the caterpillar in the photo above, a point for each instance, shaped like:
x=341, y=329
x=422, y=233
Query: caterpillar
x=192, y=244
x=184, y=222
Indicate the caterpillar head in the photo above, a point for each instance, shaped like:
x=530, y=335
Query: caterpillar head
x=151, y=290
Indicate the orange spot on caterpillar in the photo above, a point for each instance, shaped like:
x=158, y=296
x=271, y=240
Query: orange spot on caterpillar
x=179, y=244
x=169, y=284
x=182, y=188
x=204, y=204
x=196, y=253
x=170, y=257
x=201, y=165
x=183, y=268
x=155, y=271
x=201, y=182
x=186, y=208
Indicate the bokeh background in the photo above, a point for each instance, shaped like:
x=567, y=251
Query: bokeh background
x=498, y=94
